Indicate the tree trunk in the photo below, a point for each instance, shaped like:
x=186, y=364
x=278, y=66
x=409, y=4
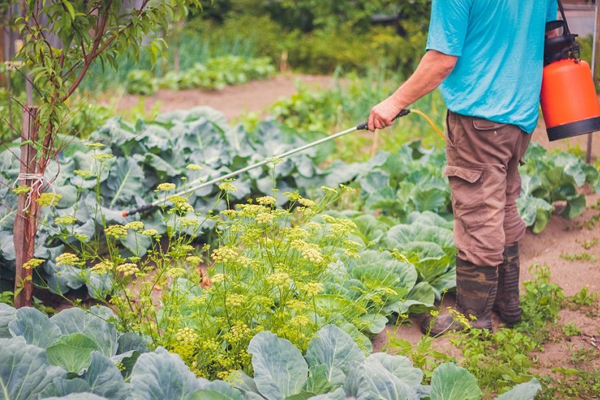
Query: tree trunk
x=25, y=228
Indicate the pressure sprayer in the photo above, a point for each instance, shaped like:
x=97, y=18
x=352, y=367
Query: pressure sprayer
x=569, y=101
x=360, y=127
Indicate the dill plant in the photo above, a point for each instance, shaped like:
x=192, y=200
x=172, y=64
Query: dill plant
x=269, y=268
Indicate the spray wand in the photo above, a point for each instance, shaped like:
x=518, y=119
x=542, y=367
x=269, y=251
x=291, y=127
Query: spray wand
x=360, y=127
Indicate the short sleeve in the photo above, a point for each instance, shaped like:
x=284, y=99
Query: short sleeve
x=552, y=10
x=448, y=26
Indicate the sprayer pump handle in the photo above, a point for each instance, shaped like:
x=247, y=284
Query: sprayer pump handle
x=365, y=126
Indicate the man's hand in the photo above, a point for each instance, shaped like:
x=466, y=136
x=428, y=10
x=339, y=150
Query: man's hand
x=383, y=114
x=432, y=70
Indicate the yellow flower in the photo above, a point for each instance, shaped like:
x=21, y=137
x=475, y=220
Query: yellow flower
x=68, y=259
x=116, y=231
x=218, y=278
x=150, y=232
x=188, y=222
x=264, y=218
x=48, y=199
x=307, y=202
x=33, y=263
x=83, y=173
x=279, y=279
x=227, y=187
x=224, y=254
x=300, y=320
x=266, y=201
x=229, y=213
x=135, y=225
x=313, y=288
x=194, y=167
x=23, y=189
x=128, y=269
x=175, y=272
x=102, y=267
x=165, y=187
x=102, y=157
x=292, y=196
x=236, y=300
x=94, y=145
x=65, y=220
x=194, y=260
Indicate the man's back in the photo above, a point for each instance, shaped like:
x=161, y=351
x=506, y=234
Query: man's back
x=499, y=44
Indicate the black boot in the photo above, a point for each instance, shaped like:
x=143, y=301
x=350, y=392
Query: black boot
x=475, y=294
x=508, y=304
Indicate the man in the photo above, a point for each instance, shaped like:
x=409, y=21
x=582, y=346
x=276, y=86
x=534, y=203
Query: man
x=487, y=55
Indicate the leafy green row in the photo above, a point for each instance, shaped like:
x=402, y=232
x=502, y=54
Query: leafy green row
x=79, y=354
x=98, y=184
x=216, y=73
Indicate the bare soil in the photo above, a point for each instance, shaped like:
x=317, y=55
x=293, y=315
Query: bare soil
x=561, y=236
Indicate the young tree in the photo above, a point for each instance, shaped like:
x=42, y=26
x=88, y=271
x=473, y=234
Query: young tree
x=88, y=31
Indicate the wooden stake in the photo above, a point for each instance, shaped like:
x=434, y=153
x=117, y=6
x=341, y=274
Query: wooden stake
x=25, y=228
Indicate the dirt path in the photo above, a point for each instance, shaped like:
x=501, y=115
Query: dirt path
x=231, y=101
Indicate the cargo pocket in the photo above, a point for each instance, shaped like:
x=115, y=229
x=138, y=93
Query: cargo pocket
x=468, y=203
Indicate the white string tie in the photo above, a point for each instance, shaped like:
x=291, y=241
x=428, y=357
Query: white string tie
x=37, y=186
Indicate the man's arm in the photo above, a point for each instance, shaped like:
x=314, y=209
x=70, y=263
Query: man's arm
x=431, y=72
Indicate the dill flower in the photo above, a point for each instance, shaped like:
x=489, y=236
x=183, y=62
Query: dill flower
x=65, y=220
x=188, y=222
x=149, y=232
x=68, y=259
x=307, y=202
x=227, y=187
x=313, y=288
x=229, y=213
x=194, y=167
x=128, y=269
x=175, y=272
x=224, y=254
x=299, y=320
x=48, y=199
x=83, y=173
x=135, y=225
x=33, y=263
x=279, y=279
x=165, y=187
x=235, y=300
x=116, y=231
x=23, y=189
x=266, y=201
x=264, y=218
x=292, y=196
x=193, y=260
x=102, y=267
x=102, y=157
x=94, y=146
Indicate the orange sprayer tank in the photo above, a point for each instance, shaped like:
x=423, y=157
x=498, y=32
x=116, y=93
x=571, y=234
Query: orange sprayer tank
x=569, y=101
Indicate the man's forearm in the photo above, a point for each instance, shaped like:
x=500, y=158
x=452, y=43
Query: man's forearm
x=431, y=72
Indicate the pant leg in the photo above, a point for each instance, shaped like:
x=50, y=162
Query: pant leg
x=478, y=154
x=514, y=227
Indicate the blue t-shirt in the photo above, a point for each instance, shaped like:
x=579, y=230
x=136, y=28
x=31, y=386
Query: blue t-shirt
x=500, y=50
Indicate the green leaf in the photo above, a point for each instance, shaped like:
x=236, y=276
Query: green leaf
x=92, y=323
x=69, y=8
x=373, y=323
x=34, y=327
x=64, y=387
x=205, y=394
x=333, y=348
x=523, y=391
x=105, y=379
x=399, y=366
x=34, y=372
x=7, y=314
x=161, y=375
x=279, y=368
x=79, y=396
x=72, y=352
x=450, y=382
x=125, y=182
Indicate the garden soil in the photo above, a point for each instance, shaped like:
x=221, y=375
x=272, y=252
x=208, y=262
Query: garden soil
x=560, y=238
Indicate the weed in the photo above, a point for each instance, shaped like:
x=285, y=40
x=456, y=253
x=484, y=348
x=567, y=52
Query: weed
x=570, y=329
x=583, y=256
x=588, y=244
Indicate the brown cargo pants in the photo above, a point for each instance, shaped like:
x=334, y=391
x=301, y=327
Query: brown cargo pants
x=483, y=159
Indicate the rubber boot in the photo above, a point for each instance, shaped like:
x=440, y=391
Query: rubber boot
x=508, y=304
x=475, y=295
